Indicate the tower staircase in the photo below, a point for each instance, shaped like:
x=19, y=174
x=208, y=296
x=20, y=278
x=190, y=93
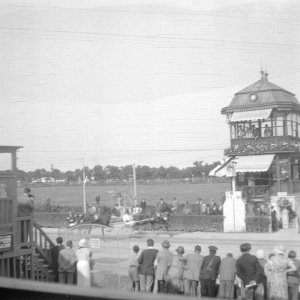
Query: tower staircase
x=30, y=258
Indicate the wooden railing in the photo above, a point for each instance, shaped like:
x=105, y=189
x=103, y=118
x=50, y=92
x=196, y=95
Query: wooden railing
x=30, y=258
x=17, y=266
x=263, y=145
x=24, y=232
x=42, y=242
x=5, y=210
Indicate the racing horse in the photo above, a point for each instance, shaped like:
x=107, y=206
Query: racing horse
x=86, y=222
x=158, y=218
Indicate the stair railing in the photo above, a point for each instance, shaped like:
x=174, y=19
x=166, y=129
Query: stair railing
x=42, y=242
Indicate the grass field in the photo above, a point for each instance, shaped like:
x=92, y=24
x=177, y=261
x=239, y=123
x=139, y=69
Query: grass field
x=73, y=195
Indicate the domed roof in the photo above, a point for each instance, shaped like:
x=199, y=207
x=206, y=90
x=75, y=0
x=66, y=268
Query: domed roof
x=260, y=95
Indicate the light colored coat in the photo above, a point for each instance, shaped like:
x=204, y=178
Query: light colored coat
x=227, y=269
x=193, y=266
x=163, y=258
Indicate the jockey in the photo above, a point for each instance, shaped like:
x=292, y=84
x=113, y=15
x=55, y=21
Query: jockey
x=128, y=219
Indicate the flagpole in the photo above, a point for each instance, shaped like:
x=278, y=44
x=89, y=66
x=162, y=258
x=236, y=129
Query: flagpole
x=134, y=183
x=83, y=188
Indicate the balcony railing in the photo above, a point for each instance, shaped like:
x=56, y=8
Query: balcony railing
x=274, y=144
x=258, y=191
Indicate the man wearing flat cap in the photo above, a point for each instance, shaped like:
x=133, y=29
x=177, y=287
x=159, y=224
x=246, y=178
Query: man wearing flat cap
x=163, y=258
x=209, y=273
x=249, y=271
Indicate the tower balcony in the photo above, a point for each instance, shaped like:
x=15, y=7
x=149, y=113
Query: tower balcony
x=263, y=145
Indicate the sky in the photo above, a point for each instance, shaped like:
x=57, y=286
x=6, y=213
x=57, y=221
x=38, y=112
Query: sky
x=114, y=82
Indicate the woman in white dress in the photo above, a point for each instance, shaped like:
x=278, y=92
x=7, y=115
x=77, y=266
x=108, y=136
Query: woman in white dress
x=83, y=255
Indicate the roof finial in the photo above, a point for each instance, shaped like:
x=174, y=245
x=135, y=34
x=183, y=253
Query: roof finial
x=266, y=73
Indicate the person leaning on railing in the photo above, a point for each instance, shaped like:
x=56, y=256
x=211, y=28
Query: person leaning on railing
x=25, y=209
x=26, y=204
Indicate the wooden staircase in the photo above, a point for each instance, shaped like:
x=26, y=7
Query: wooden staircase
x=30, y=257
x=42, y=258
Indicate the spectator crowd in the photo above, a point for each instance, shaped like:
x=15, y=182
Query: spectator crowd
x=248, y=276
x=71, y=266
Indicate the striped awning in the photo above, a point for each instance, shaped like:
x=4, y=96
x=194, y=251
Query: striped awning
x=249, y=163
x=254, y=163
x=250, y=115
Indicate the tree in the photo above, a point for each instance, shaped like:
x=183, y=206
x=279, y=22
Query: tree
x=39, y=173
x=161, y=173
x=98, y=172
x=127, y=172
x=113, y=172
x=198, y=168
x=22, y=175
x=174, y=172
x=143, y=172
x=56, y=174
x=70, y=176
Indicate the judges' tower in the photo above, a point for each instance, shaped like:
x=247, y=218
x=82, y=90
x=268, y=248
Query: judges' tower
x=264, y=122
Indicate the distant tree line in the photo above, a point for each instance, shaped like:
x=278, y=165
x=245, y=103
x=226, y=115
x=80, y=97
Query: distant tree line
x=100, y=173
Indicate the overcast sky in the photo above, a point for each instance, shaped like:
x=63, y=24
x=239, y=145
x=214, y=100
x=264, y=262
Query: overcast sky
x=122, y=82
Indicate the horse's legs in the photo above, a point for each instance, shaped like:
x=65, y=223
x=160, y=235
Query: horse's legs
x=166, y=224
x=103, y=233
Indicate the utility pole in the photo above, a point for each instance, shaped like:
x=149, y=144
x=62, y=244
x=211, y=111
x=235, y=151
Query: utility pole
x=134, y=183
x=83, y=187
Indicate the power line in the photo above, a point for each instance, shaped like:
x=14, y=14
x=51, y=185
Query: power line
x=169, y=36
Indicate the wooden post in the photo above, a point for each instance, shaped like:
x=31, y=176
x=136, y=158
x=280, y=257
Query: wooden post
x=134, y=182
x=278, y=174
x=83, y=188
x=291, y=189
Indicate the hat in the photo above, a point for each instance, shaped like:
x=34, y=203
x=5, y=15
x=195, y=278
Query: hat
x=260, y=253
x=180, y=250
x=212, y=248
x=82, y=243
x=245, y=247
x=279, y=249
x=166, y=244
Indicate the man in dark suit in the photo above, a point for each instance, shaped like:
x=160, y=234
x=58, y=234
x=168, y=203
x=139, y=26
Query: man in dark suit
x=293, y=278
x=54, y=253
x=273, y=219
x=249, y=271
x=209, y=273
x=146, y=267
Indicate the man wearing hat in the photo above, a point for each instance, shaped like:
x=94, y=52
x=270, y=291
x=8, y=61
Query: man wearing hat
x=209, y=273
x=162, y=259
x=248, y=270
x=191, y=272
